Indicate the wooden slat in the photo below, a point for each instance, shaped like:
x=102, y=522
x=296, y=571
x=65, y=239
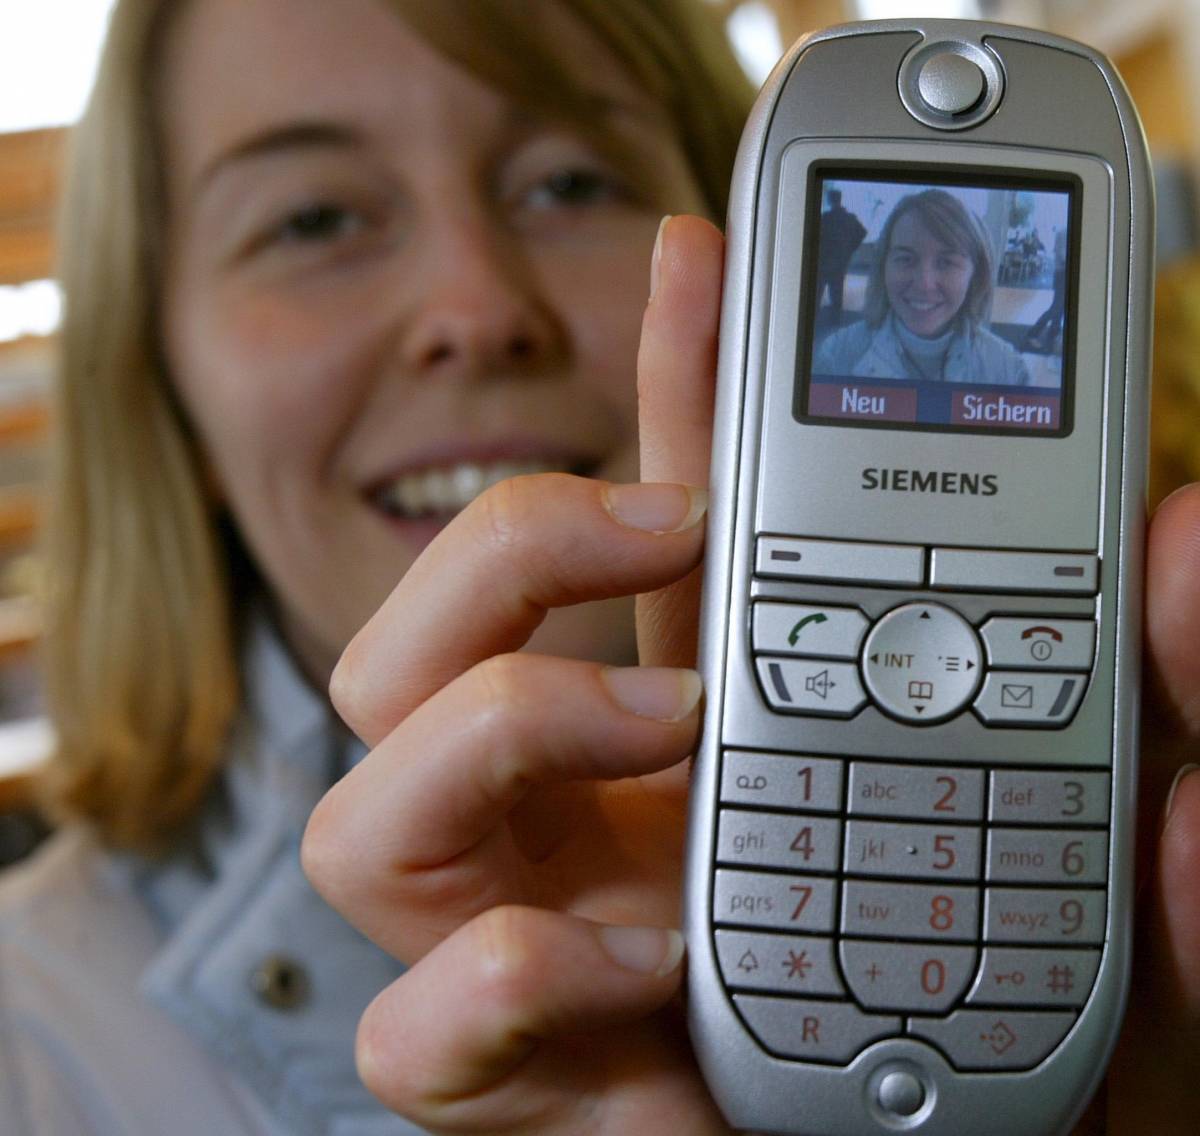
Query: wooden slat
x=30, y=179
x=30, y=172
x=20, y=515
x=27, y=251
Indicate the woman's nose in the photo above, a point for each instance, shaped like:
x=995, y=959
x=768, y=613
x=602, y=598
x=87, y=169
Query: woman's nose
x=927, y=274
x=479, y=308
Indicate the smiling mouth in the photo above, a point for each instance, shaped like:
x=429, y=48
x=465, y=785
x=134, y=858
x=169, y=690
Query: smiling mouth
x=441, y=491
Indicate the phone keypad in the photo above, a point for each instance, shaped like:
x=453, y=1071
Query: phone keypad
x=861, y=899
x=856, y=900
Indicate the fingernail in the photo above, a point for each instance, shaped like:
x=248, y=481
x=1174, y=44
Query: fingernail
x=663, y=693
x=657, y=256
x=1191, y=767
x=646, y=950
x=656, y=508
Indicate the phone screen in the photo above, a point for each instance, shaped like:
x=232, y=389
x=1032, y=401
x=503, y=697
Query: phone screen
x=939, y=303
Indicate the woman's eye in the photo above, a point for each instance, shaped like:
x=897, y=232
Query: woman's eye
x=573, y=187
x=319, y=222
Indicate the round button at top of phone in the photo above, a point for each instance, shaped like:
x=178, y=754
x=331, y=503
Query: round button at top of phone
x=900, y=1093
x=950, y=83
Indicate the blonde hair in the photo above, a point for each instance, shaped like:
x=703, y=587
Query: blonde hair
x=146, y=580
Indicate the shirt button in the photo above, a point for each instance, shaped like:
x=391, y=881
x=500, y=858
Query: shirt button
x=281, y=983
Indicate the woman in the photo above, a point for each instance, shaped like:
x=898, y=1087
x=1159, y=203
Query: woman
x=383, y=273
x=928, y=295
x=332, y=270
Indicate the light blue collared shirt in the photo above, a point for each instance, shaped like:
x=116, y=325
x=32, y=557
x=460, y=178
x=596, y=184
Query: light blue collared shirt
x=127, y=1002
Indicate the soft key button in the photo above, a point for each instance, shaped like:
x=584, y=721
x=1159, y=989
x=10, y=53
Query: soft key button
x=787, y=964
x=840, y=561
x=964, y=569
x=1026, y=797
x=813, y=1031
x=799, y=629
x=920, y=792
x=922, y=662
x=811, y=686
x=924, y=978
x=1035, y=641
x=1029, y=698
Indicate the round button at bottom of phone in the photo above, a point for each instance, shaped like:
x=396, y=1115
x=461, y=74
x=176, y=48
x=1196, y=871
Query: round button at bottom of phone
x=900, y=1093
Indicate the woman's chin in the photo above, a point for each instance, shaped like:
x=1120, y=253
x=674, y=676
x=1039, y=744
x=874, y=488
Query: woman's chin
x=927, y=328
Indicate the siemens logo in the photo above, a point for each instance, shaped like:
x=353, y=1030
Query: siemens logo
x=930, y=481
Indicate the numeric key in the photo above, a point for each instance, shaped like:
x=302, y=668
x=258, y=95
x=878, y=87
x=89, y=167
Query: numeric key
x=782, y=781
x=920, y=792
x=779, y=840
x=911, y=850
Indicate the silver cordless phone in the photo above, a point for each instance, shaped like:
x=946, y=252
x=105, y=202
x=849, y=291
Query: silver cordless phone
x=909, y=878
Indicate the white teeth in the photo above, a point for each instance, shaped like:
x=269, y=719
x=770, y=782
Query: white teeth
x=447, y=489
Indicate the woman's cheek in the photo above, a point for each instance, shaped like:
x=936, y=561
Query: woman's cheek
x=270, y=365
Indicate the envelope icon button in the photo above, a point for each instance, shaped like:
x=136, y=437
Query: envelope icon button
x=1016, y=696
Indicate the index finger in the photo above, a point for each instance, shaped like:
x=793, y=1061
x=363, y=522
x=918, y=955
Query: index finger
x=677, y=367
x=485, y=584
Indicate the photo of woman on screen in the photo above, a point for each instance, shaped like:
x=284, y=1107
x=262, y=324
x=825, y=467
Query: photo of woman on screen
x=928, y=295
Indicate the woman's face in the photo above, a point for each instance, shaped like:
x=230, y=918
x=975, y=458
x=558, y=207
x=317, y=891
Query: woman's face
x=387, y=285
x=926, y=279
